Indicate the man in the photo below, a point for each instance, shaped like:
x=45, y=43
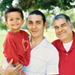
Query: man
x=65, y=44
x=44, y=56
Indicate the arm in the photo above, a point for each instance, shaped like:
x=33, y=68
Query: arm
x=10, y=70
x=53, y=63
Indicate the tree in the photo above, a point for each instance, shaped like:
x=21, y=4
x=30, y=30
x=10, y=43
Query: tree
x=45, y=4
x=36, y=4
x=4, y=4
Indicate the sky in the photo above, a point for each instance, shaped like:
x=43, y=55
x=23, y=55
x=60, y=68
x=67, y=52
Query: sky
x=15, y=2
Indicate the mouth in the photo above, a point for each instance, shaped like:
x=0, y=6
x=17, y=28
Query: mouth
x=34, y=31
x=15, y=25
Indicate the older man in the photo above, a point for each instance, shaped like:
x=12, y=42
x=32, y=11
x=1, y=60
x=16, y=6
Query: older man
x=65, y=44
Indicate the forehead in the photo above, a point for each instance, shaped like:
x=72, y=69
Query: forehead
x=59, y=21
x=12, y=14
x=34, y=17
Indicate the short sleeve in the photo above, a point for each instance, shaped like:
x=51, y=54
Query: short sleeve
x=10, y=50
x=52, y=65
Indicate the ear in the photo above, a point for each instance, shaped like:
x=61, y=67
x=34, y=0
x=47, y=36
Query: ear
x=46, y=23
x=23, y=21
x=72, y=26
x=6, y=23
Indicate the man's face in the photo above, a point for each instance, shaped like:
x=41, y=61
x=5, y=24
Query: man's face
x=63, y=29
x=35, y=25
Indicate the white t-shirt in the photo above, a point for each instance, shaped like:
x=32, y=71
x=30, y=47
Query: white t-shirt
x=67, y=45
x=44, y=59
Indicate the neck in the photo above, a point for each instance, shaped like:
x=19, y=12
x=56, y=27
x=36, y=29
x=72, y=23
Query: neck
x=35, y=41
x=70, y=38
x=14, y=31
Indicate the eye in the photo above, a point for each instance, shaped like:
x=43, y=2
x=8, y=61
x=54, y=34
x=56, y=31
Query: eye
x=38, y=22
x=18, y=18
x=30, y=22
x=63, y=25
x=56, y=27
x=11, y=19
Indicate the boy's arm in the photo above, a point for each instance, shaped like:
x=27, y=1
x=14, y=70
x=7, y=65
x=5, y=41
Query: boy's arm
x=22, y=72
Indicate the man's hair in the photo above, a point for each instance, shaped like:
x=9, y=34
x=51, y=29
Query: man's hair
x=13, y=9
x=62, y=16
x=37, y=12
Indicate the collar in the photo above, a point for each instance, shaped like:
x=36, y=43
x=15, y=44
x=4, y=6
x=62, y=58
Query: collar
x=72, y=46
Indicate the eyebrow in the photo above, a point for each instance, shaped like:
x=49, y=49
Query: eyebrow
x=32, y=21
x=63, y=23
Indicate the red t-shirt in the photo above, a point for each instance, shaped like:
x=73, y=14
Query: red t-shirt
x=17, y=46
x=67, y=59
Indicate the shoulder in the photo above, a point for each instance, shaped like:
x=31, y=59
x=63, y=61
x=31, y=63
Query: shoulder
x=8, y=35
x=50, y=47
x=24, y=32
x=55, y=42
x=49, y=51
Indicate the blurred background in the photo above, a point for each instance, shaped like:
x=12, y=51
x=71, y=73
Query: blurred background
x=50, y=8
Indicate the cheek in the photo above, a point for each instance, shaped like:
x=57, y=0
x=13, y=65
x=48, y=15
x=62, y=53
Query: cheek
x=28, y=26
x=56, y=31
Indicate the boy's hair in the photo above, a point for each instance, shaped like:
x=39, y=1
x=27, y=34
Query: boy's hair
x=37, y=12
x=62, y=16
x=13, y=9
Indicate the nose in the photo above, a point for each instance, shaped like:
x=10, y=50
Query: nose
x=60, y=29
x=34, y=25
x=15, y=20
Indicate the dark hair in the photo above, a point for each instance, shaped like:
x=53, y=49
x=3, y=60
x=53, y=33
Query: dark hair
x=37, y=12
x=62, y=16
x=13, y=9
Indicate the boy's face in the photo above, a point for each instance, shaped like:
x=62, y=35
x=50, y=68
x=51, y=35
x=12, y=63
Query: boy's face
x=14, y=21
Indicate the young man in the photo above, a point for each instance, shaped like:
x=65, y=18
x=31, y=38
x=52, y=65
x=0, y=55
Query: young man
x=44, y=56
x=65, y=44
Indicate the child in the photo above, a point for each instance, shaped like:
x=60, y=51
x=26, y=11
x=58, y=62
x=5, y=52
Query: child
x=16, y=45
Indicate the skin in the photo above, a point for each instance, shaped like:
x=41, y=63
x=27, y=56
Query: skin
x=14, y=21
x=10, y=70
x=63, y=30
x=36, y=29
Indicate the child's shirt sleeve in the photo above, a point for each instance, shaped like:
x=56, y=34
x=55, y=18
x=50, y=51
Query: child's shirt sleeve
x=10, y=51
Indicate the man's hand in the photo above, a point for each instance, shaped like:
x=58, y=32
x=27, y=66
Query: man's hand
x=1, y=70
x=11, y=70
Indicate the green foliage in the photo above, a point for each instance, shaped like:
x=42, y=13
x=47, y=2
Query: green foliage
x=3, y=26
x=45, y=4
x=4, y=4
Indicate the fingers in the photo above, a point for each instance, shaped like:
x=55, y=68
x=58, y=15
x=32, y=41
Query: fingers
x=1, y=70
x=18, y=68
x=10, y=63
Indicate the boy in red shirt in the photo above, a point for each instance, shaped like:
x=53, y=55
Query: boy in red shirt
x=16, y=45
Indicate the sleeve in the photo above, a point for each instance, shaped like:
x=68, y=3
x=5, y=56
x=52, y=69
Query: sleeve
x=10, y=51
x=53, y=63
x=53, y=43
x=28, y=49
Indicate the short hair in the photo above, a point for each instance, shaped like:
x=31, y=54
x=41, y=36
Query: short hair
x=62, y=16
x=37, y=12
x=13, y=9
